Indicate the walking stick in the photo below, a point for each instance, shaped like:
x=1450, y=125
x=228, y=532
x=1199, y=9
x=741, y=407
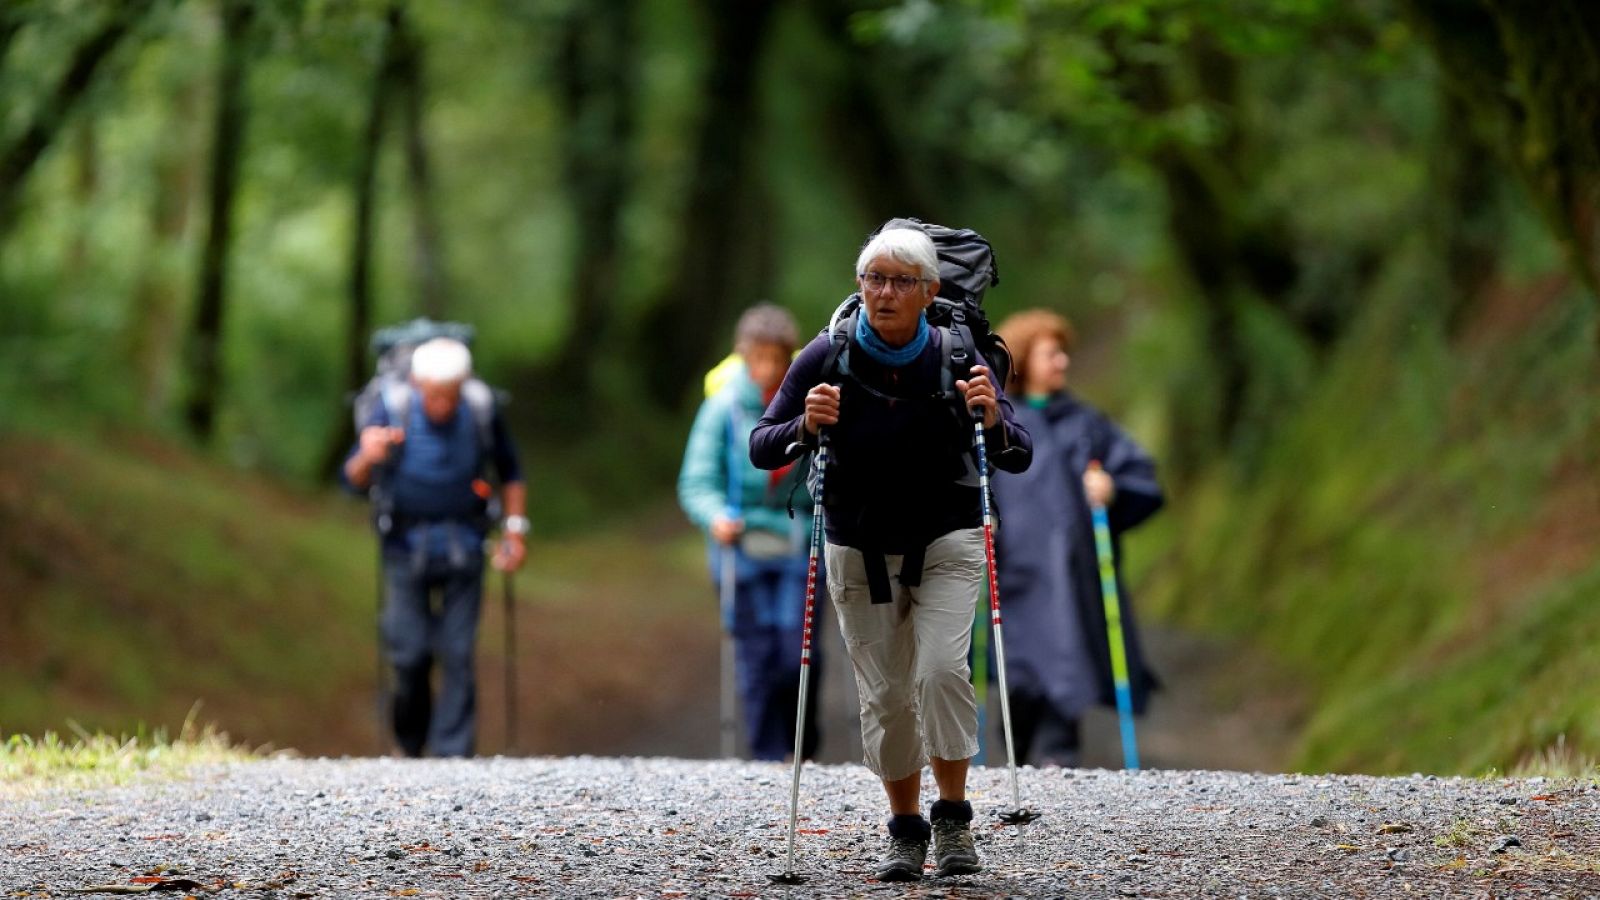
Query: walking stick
x=1112, y=600
x=789, y=875
x=511, y=662
x=380, y=680
x=728, y=725
x=1017, y=815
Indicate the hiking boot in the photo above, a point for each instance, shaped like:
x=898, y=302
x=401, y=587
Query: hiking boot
x=953, y=850
x=904, y=860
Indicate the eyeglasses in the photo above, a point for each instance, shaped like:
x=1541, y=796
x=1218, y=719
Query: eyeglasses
x=900, y=283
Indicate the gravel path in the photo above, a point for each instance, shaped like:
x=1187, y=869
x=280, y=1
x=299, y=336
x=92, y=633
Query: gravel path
x=662, y=828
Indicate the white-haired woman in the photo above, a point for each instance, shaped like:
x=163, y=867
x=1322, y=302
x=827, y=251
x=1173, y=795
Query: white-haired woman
x=897, y=500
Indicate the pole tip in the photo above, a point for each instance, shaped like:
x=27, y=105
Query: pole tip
x=786, y=878
x=1020, y=816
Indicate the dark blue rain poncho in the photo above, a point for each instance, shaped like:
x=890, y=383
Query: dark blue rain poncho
x=1056, y=643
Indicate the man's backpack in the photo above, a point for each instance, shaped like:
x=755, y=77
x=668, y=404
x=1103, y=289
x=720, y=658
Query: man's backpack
x=966, y=270
x=390, y=385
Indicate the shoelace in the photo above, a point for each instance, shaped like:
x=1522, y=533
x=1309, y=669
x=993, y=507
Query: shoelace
x=904, y=847
x=953, y=831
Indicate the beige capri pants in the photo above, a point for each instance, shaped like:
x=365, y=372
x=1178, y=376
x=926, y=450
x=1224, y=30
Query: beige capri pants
x=910, y=655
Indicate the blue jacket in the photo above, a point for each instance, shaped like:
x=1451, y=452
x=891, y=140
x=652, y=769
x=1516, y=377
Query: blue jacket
x=717, y=477
x=719, y=440
x=1047, y=563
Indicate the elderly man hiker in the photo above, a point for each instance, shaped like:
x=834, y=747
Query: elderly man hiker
x=425, y=461
x=898, y=498
x=752, y=539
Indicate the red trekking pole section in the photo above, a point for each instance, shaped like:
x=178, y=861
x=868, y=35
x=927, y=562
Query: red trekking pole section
x=788, y=875
x=1016, y=815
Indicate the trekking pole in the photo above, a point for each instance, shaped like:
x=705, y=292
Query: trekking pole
x=511, y=662
x=728, y=723
x=729, y=720
x=789, y=875
x=380, y=680
x=1111, y=598
x=1017, y=815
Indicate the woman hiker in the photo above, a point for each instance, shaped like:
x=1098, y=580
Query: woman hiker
x=1059, y=660
x=899, y=499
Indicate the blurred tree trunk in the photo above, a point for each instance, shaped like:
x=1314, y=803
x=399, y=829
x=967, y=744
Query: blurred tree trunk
x=1468, y=225
x=1202, y=229
x=875, y=159
x=18, y=159
x=85, y=184
x=717, y=259
x=1530, y=75
x=205, y=339
x=1229, y=257
x=410, y=76
x=10, y=24
x=158, y=297
x=596, y=78
x=386, y=81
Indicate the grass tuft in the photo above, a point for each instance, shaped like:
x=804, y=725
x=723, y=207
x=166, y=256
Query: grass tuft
x=95, y=760
x=1559, y=760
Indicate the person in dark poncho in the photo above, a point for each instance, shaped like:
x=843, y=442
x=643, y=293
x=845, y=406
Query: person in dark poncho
x=905, y=550
x=1059, y=661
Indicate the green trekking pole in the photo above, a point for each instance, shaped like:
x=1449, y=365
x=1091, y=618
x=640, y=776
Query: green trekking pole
x=1118, y=644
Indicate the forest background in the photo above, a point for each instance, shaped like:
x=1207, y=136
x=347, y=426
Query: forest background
x=1335, y=263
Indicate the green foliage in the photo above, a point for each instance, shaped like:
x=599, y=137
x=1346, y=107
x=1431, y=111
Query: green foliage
x=1381, y=549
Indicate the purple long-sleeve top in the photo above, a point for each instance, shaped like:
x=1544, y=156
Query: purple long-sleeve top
x=901, y=471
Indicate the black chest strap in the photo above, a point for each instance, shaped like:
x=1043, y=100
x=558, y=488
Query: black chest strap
x=877, y=568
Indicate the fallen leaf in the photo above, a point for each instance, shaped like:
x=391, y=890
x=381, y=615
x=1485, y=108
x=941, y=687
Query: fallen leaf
x=1393, y=828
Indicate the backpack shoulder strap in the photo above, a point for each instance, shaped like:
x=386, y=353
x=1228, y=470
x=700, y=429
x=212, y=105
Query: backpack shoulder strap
x=841, y=328
x=395, y=396
x=481, y=401
x=960, y=353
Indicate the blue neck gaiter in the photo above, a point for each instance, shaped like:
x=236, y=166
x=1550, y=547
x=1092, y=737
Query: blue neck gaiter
x=884, y=354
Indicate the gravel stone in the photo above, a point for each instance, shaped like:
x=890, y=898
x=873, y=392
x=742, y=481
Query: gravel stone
x=602, y=828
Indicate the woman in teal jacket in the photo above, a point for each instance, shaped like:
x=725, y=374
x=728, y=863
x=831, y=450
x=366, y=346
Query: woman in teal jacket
x=745, y=514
